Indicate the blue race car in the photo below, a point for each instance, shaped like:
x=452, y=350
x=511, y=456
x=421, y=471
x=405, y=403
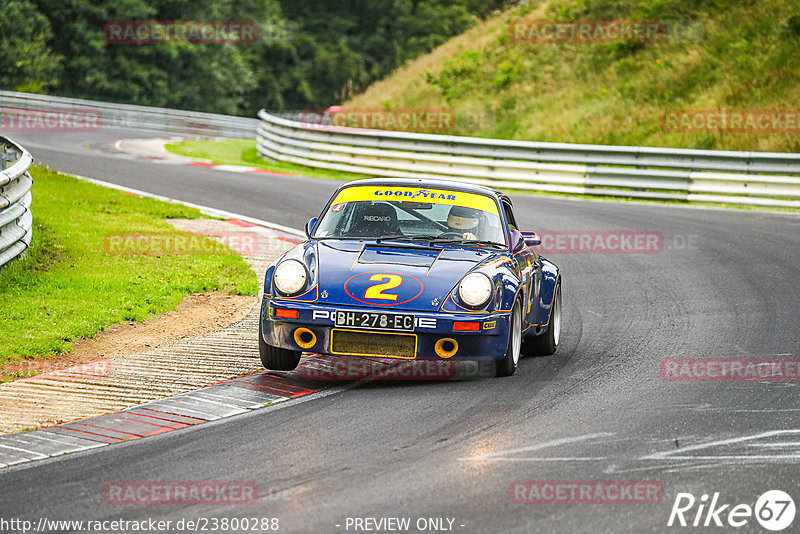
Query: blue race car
x=412, y=270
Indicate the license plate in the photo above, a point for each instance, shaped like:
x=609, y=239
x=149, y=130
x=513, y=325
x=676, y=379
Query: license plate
x=375, y=320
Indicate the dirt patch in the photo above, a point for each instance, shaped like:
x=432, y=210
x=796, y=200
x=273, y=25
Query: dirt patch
x=196, y=316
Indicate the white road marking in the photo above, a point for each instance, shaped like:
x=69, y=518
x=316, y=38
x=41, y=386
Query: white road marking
x=548, y=459
x=498, y=456
x=680, y=454
x=740, y=457
x=233, y=168
x=667, y=467
x=24, y=451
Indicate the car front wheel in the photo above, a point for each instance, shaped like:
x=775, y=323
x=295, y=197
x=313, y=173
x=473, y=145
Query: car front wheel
x=508, y=364
x=275, y=358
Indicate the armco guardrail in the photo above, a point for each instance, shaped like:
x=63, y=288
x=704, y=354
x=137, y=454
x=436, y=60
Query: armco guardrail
x=16, y=221
x=112, y=115
x=756, y=178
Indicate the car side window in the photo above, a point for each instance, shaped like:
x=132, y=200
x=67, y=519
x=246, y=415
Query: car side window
x=512, y=223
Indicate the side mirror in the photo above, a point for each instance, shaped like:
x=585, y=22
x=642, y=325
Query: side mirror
x=532, y=239
x=517, y=241
x=312, y=222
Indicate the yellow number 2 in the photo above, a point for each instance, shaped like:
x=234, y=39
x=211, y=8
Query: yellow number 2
x=377, y=291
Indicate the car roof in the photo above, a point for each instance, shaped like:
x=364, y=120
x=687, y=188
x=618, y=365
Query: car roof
x=418, y=182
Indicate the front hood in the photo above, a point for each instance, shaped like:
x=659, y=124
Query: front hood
x=390, y=276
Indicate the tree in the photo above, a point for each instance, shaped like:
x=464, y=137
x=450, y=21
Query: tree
x=27, y=63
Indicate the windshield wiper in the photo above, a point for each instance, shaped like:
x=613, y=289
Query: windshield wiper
x=401, y=237
x=435, y=240
x=488, y=244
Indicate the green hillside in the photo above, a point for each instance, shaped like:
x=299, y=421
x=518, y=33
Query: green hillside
x=712, y=55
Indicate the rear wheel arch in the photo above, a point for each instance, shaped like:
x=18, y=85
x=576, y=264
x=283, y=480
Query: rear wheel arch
x=547, y=342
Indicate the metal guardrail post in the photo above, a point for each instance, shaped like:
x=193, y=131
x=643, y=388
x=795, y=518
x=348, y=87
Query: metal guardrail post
x=5, y=157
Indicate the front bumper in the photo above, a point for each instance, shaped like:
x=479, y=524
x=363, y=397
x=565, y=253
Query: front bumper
x=488, y=343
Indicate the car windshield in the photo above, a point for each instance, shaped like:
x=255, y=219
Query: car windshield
x=412, y=214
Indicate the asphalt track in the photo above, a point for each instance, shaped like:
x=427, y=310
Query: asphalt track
x=724, y=285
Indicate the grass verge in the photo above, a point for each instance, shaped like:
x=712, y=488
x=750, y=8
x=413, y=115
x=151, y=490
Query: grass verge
x=731, y=55
x=72, y=285
x=244, y=152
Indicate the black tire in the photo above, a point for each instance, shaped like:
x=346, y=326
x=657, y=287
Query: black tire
x=547, y=343
x=507, y=366
x=274, y=358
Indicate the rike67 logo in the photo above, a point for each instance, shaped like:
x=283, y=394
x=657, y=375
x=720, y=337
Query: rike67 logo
x=774, y=510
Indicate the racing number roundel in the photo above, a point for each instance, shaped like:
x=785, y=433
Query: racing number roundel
x=383, y=289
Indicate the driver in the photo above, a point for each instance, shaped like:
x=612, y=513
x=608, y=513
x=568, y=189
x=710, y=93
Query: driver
x=464, y=221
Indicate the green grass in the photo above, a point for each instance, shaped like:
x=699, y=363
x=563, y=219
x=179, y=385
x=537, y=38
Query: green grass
x=732, y=54
x=244, y=152
x=70, y=287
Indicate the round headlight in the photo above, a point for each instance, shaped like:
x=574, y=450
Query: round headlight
x=475, y=290
x=290, y=277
